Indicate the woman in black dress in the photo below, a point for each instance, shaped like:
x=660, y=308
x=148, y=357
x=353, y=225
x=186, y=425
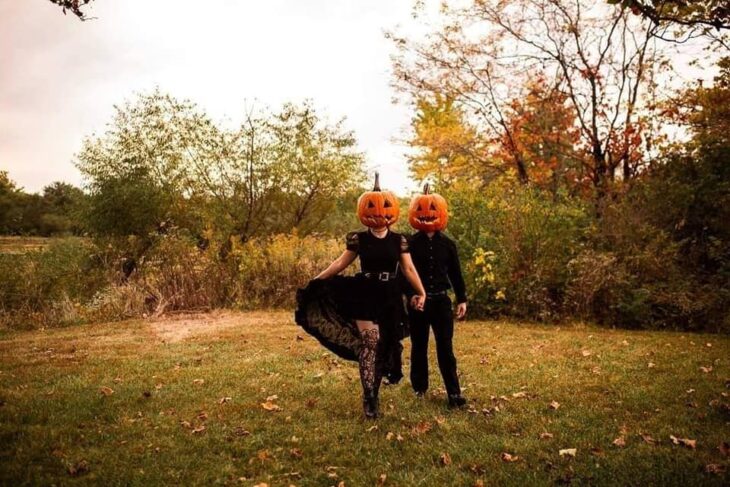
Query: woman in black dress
x=361, y=317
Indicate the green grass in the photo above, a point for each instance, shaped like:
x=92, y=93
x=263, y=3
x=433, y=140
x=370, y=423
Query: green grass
x=54, y=417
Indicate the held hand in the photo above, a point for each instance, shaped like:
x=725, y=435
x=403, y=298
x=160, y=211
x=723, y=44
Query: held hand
x=460, y=310
x=418, y=301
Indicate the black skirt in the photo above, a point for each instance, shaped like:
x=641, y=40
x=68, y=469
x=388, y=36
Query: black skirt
x=328, y=308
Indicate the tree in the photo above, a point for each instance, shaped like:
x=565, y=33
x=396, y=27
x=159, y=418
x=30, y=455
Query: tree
x=598, y=58
x=76, y=7
x=708, y=13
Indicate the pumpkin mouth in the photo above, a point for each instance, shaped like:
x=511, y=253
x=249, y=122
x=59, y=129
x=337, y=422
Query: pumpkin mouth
x=427, y=219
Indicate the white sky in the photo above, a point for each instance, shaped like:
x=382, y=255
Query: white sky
x=60, y=78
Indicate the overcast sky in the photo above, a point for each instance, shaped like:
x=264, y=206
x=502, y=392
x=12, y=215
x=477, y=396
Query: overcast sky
x=61, y=77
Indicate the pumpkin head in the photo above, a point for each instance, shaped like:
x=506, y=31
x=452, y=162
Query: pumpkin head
x=376, y=208
x=428, y=212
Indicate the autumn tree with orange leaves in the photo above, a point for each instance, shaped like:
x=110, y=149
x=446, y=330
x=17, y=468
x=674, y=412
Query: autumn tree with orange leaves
x=598, y=59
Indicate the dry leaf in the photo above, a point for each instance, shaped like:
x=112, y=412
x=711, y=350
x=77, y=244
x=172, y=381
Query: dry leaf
x=198, y=382
x=422, y=428
x=199, y=429
x=651, y=365
x=706, y=370
x=202, y=415
x=106, y=391
x=272, y=398
x=445, y=459
x=619, y=442
x=186, y=424
x=270, y=406
x=224, y=400
x=554, y=405
x=519, y=394
x=398, y=437
x=478, y=483
x=296, y=452
x=373, y=428
x=648, y=439
x=389, y=436
x=382, y=479
x=440, y=420
x=586, y=353
x=691, y=444
x=715, y=468
x=506, y=457
x=568, y=452
x=724, y=448
x=546, y=436
x=79, y=468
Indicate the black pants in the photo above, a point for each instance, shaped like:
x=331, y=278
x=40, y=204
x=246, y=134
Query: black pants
x=436, y=314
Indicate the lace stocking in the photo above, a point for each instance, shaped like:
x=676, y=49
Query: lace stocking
x=370, y=374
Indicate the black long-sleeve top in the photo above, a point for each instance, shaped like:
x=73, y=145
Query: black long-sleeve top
x=437, y=263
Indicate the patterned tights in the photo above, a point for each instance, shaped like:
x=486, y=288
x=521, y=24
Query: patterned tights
x=370, y=373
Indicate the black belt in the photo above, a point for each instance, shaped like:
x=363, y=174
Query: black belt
x=381, y=276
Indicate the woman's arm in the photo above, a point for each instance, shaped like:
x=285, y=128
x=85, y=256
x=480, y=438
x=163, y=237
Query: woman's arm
x=339, y=264
x=409, y=270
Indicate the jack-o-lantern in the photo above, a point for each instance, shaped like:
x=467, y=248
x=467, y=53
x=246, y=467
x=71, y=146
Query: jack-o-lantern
x=377, y=208
x=428, y=212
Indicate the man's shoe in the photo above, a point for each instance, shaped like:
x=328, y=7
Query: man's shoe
x=456, y=401
x=370, y=406
x=420, y=394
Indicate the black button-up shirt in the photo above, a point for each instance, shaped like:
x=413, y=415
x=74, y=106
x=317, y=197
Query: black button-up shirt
x=437, y=263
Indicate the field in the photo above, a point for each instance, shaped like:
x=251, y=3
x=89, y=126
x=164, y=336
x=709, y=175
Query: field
x=18, y=245
x=248, y=399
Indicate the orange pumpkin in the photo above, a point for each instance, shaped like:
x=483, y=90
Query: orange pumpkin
x=428, y=212
x=377, y=208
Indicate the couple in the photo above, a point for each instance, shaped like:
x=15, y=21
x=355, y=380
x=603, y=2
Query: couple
x=362, y=318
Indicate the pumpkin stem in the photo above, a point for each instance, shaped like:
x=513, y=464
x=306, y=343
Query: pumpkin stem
x=376, y=187
x=426, y=188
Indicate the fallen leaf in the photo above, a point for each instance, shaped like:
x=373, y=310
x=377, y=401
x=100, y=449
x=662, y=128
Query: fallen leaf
x=478, y=483
x=651, y=365
x=519, y=394
x=296, y=452
x=690, y=391
x=506, y=457
x=691, y=444
x=186, y=424
x=724, y=448
x=398, y=437
x=202, y=415
x=272, y=398
x=389, y=436
x=546, y=436
x=79, y=468
x=445, y=459
x=568, y=452
x=106, y=391
x=421, y=428
x=619, y=442
x=648, y=439
x=147, y=394
x=586, y=353
x=706, y=370
x=199, y=429
x=554, y=405
x=440, y=420
x=240, y=431
x=224, y=400
x=270, y=406
x=715, y=468
x=372, y=428
x=597, y=452
x=382, y=479
x=198, y=382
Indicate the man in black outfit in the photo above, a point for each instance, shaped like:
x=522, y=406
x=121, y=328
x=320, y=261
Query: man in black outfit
x=437, y=262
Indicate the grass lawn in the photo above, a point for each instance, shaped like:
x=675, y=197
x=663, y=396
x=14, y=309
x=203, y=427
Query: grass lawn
x=247, y=398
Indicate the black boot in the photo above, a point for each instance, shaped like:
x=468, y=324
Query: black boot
x=456, y=401
x=370, y=406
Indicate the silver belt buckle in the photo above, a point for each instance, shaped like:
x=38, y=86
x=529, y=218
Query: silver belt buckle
x=383, y=276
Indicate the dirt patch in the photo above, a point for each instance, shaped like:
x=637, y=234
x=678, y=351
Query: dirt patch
x=171, y=329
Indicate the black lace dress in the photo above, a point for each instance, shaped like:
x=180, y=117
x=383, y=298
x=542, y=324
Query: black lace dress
x=327, y=308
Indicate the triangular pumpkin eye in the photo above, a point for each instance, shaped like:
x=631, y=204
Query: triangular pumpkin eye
x=433, y=207
x=370, y=204
x=387, y=204
x=419, y=208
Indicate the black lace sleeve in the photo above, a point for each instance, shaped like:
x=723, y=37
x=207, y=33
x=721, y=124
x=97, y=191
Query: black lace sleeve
x=353, y=242
x=404, y=248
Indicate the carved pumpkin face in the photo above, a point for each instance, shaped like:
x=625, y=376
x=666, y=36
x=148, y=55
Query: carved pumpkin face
x=376, y=208
x=428, y=212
